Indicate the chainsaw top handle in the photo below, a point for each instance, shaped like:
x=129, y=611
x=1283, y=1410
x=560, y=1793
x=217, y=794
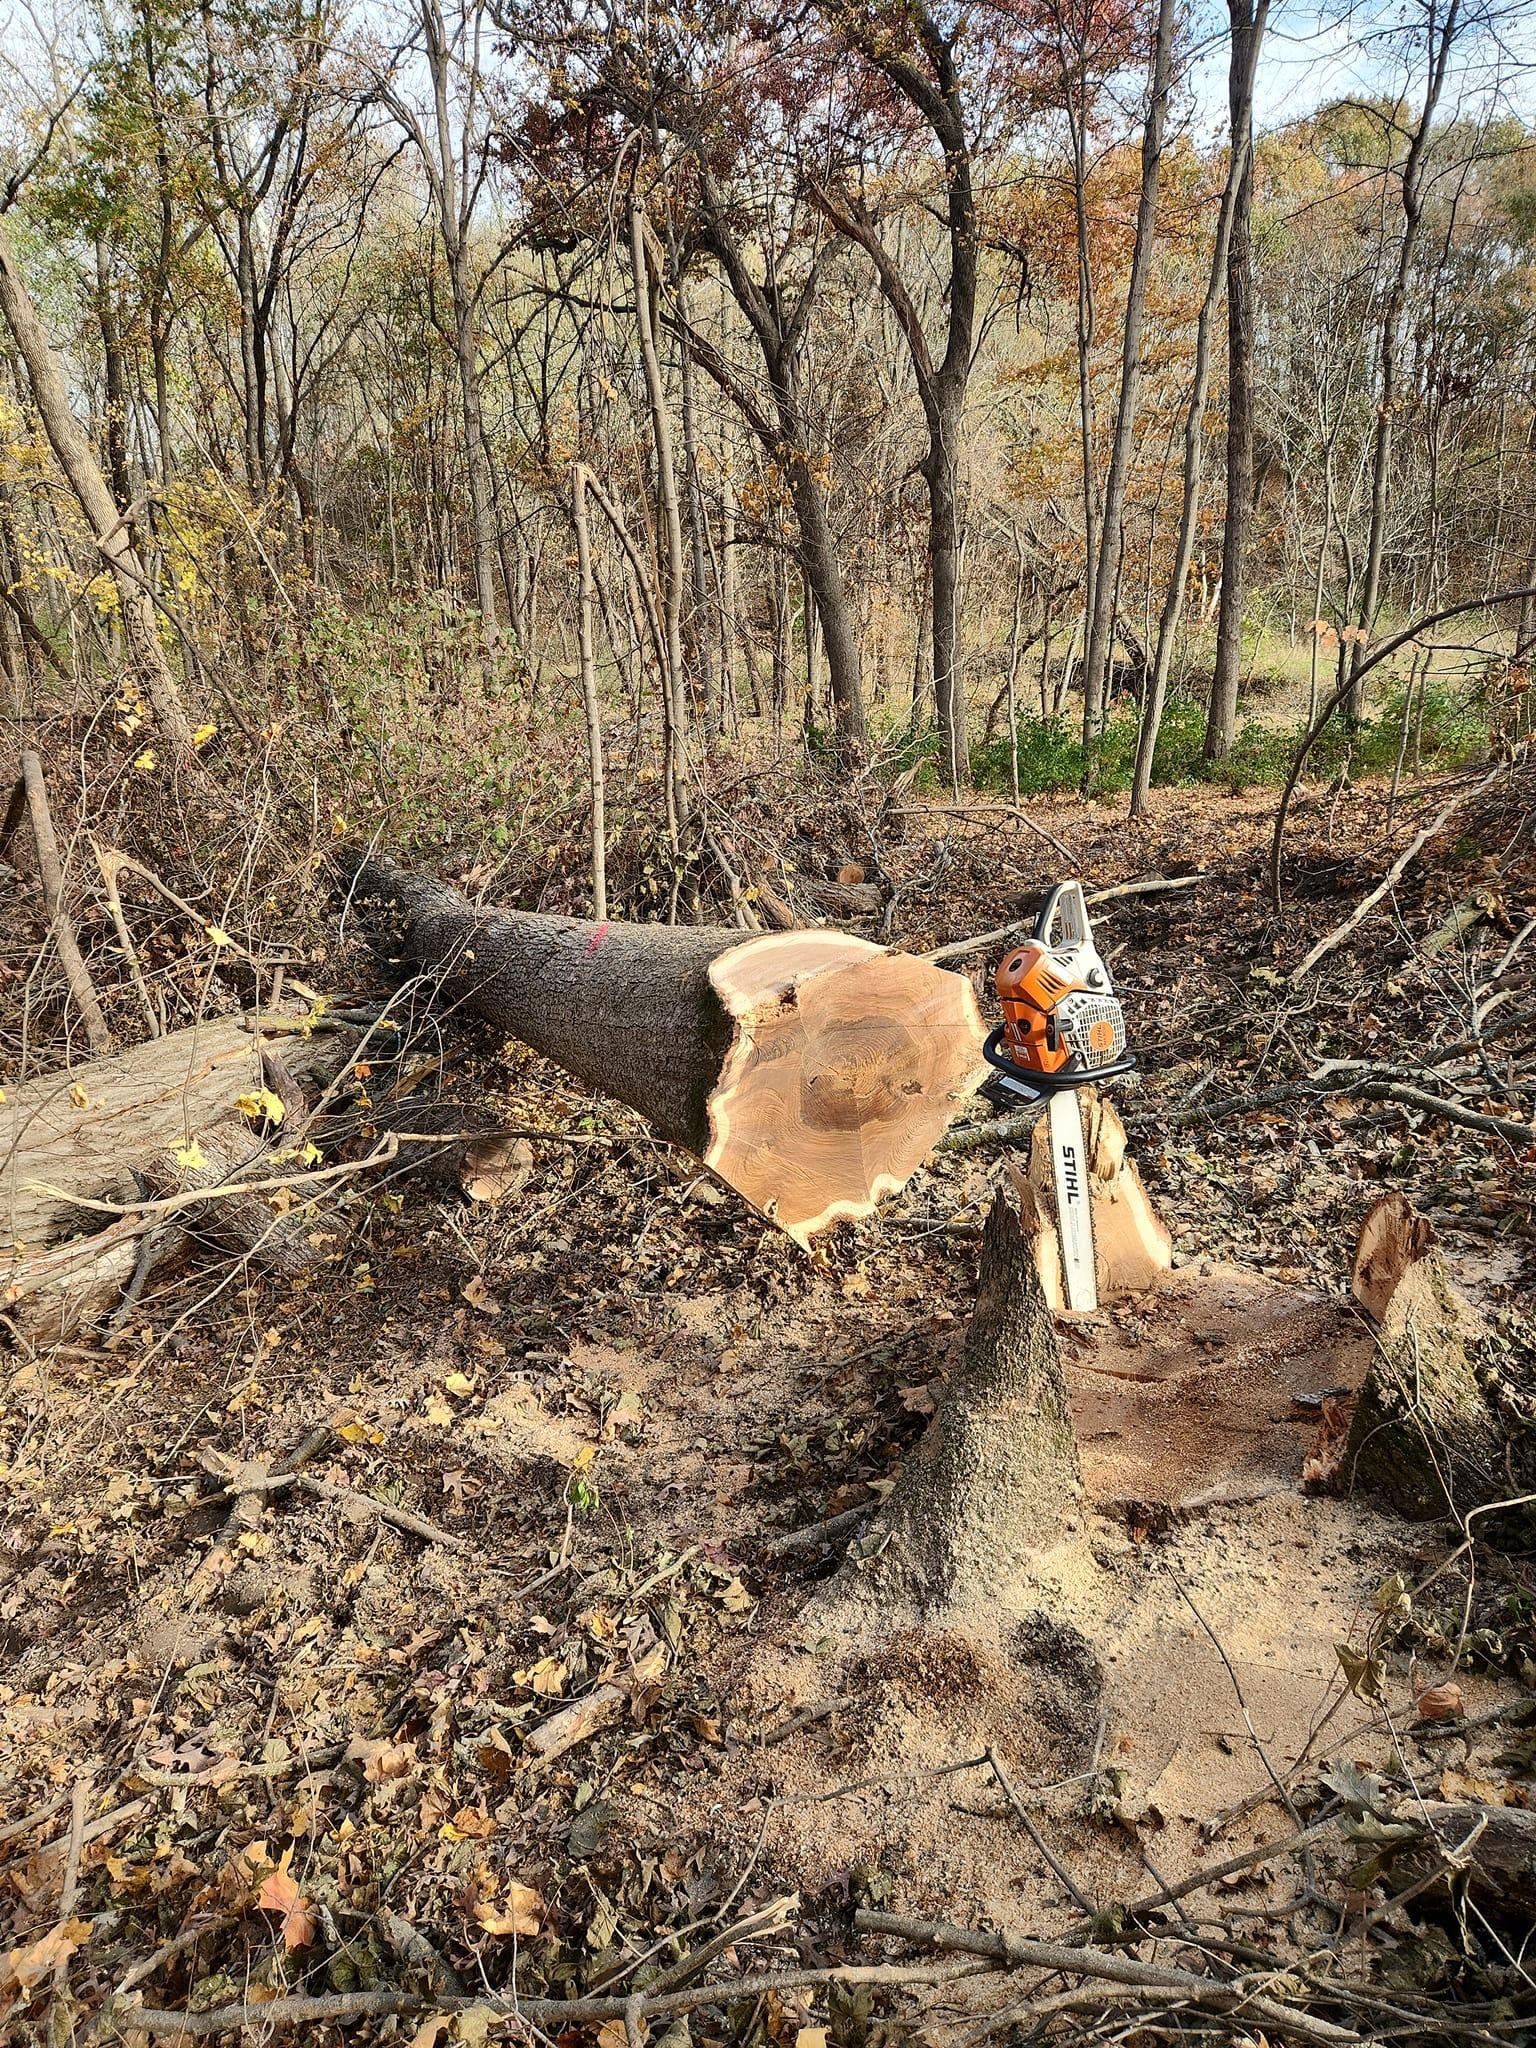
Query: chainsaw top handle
x=1067, y=905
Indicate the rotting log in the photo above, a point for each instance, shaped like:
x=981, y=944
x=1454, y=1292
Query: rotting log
x=811, y=1071
x=1443, y=1425
x=109, y=1132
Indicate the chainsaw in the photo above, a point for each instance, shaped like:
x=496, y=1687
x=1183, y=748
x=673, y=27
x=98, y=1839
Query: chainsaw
x=1062, y=1028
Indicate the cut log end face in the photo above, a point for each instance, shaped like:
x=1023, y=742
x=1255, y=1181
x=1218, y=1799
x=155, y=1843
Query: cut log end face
x=848, y=1062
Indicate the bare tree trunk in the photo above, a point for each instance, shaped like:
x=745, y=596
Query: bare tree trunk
x=1441, y=39
x=1101, y=628
x=1221, y=716
x=589, y=694
x=675, y=766
x=78, y=462
x=1155, y=694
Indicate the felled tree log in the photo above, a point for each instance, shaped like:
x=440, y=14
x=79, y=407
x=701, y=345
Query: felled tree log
x=1444, y=1422
x=1498, y=1863
x=810, y=1070
x=81, y=1136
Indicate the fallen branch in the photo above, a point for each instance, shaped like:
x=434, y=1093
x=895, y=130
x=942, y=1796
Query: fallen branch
x=1020, y=1952
x=1393, y=876
x=983, y=942
x=817, y=1533
x=1210, y=1873
x=398, y=1518
x=1063, y=1876
x=51, y=869
x=999, y=1130
x=552, y=2014
x=988, y=811
x=1516, y=1132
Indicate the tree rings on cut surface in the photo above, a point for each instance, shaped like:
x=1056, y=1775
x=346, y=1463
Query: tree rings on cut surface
x=847, y=1063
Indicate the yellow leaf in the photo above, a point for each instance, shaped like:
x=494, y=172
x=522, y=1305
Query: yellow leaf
x=189, y=1155
x=583, y=1457
x=261, y=1102
x=78, y=1096
x=548, y=1676
x=203, y=735
x=219, y=936
x=457, y=1383
x=146, y=760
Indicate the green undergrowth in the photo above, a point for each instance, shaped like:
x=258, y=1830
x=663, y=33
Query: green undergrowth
x=1444, y=732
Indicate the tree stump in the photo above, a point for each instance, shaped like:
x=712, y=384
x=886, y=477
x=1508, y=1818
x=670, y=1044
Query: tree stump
x=987, y=1488
x=1444, y=1423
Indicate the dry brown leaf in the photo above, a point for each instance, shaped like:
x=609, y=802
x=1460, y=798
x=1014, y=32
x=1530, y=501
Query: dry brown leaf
x=1439, y=1702
x=382, y=1760
x=279, y=1893
x=25, y=1967
x=519, y=1912
x=469, y=1824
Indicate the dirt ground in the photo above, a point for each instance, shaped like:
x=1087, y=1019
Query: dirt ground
x=310, y=1743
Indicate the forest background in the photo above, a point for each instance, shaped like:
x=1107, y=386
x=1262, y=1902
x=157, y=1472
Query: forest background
x=969, y=391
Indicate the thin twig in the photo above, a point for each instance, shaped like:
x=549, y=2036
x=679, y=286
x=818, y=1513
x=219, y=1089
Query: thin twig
x=1064, y=1876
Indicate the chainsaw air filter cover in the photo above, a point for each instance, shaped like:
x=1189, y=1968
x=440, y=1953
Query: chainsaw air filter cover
x=1091, y=1029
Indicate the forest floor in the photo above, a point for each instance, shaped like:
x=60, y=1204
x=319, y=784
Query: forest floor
x=310, y=1753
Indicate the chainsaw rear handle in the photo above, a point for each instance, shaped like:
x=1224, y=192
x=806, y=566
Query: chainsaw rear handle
x=1050, y=1084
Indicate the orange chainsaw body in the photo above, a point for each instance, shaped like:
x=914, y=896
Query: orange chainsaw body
x=1057, y=1015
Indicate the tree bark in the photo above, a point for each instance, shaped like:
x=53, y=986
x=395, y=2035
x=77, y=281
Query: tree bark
x=88, y=1133
x=1155, y=696
x=675, y=722
x=811, y=1071
x=83, y=474
x=1221, y=716
x=589, y=695
x=1101, y=630
x=987, y=1488
x=1441, y=41
x=55, y=902
x=1443, y=1424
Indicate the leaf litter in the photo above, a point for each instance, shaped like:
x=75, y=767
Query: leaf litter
x=618, y=1399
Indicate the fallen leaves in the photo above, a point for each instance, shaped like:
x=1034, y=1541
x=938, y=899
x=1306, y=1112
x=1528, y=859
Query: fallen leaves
x=25, y=1968
x=277, y=1891
x=1439, y=1702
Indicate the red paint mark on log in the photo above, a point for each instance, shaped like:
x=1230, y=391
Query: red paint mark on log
x=597, y=938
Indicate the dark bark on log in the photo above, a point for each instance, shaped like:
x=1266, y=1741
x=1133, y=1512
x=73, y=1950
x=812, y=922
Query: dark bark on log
x=628, y=1009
